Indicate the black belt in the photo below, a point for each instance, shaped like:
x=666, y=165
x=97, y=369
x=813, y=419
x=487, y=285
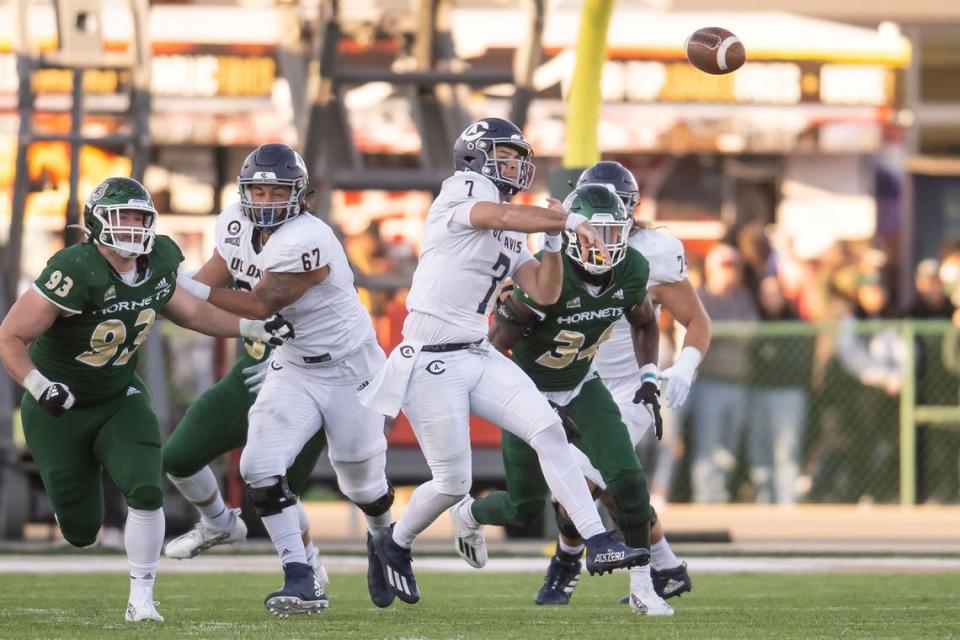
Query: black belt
x=449, y=346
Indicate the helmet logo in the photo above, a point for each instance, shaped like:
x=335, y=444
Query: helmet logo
x=265, y=175
x=98, y=193
x=475, y=131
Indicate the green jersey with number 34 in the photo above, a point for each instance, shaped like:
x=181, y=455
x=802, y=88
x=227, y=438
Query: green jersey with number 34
x=93, y=349
x=559, y=351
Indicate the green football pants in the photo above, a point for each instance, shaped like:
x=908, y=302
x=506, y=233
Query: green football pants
x=605, y=441
x=217, y=423
x=71, y=451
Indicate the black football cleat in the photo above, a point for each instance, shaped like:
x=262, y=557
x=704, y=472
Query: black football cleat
x=380, y=591
x=300, y=593
x=397, y=565
x=562, y=577
x=604, y=554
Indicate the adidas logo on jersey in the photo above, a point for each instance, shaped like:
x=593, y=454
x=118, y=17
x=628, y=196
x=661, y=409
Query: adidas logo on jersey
x=132, y=391
x=162, y=284
x=618, y=294
x=574, y=304
x=110, y=294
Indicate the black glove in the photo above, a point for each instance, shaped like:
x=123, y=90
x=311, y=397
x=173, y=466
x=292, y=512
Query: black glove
x=569, y=426
x=280, y=330
x=649, y=396
x=56, y=399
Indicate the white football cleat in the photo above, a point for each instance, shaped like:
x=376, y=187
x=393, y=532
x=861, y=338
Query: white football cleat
x=201, y=538
x=468, y=539
x=319, y=571
x=143, y=609
x=643, y=598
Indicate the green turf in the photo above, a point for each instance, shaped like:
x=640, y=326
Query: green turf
x=483, y=605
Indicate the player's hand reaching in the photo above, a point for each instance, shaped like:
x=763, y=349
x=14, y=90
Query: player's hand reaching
x=648, y=395
x=589, y=239
x=569, y=425
x=275, y=330
x=254, y=375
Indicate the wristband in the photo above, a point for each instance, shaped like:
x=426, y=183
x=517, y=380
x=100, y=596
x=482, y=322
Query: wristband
x=36, y=383
x=650, y=373
x=574, y=220
x=552, y=243
x=250, y=329
x=194, y=288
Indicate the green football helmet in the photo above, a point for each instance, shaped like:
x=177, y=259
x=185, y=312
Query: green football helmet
x=102, y=217
x=601, y=205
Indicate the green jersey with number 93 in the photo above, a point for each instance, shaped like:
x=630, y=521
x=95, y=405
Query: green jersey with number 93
x=560, y=349
x=93, y=348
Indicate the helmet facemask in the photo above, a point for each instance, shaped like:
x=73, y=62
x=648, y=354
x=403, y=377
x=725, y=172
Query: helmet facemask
x=266, y=215
x=607, y=215
x=493, y=166
x=127, y=241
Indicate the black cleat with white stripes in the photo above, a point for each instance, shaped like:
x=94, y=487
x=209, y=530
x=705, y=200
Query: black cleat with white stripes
x=604, y=554
x=397, y=565
x=381, y=592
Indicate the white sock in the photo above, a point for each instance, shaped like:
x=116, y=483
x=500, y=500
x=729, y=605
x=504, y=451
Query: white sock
x=284, y=530
x=199, y=488
x=426, y=505
x=465, y=511
x=574, y=550
x=640, y=578
x=378, y=523
x=566, y=481
x=143, y=539
x=662, y=557
x=302, y=517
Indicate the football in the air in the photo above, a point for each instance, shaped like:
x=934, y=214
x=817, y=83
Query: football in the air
x=715, y=50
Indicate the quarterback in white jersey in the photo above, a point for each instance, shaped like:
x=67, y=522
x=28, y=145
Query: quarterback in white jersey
x=445, y=369
x=617, y=366
x=284, y=258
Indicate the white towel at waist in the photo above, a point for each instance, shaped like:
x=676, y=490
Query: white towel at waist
x=386, y=391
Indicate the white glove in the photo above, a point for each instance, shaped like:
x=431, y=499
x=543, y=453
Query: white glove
x=273, y=331
x=680, y=377
x=254, y=375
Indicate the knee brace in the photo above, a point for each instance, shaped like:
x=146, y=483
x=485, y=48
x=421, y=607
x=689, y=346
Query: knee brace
x=379, y=506
x=564, y=524
x=271, y=500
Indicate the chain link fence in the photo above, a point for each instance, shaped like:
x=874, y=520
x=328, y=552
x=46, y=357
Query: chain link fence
x=784, y=412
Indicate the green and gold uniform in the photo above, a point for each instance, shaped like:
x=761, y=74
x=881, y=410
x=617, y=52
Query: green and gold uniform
x=217, y=423
x=93, y=351
x=557, y=355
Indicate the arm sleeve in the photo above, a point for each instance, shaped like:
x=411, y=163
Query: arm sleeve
x=458, y=195
x=61, y=284
x=296, y=254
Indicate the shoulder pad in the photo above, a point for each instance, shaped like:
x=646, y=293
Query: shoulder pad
x=166, y=255
x=467, y=185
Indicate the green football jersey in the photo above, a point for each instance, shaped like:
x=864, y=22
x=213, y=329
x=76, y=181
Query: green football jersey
x=93, y=350
x=558, y=352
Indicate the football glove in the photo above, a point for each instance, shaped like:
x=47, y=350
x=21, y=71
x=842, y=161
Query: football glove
x=274, y=330
x=648, y=395
x=254, y=375
x=566, y=420
x=680, y=376
x=55, y=397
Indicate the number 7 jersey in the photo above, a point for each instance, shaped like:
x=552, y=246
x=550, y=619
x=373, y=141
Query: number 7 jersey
x=461, y=268
x=93, y=349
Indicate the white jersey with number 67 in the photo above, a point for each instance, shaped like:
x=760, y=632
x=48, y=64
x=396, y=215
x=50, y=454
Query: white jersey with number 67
x=329, y=319
x=668, y=264
x=461, y=268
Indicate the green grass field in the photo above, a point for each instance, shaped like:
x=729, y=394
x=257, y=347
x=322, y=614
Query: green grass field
x=486, y=605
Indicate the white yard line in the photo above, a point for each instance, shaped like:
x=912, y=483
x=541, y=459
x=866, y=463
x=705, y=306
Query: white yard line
x=219, y=563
